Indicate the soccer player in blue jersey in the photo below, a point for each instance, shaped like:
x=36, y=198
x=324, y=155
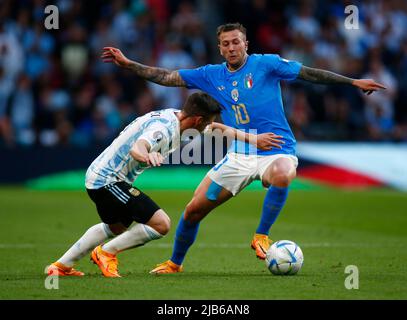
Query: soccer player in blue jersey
x=248, y=88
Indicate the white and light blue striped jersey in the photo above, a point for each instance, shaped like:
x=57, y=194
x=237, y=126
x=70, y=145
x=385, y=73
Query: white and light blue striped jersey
x=159, y=128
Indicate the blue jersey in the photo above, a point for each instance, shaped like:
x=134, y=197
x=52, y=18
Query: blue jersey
x=250, y=97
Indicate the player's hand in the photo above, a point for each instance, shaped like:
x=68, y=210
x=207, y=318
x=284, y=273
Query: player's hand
x=368, y=85
x=114, y=55
x=268, y=141
x=155, y=159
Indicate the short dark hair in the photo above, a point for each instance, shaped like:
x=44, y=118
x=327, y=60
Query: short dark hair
x=201, y=104
x=230, y=27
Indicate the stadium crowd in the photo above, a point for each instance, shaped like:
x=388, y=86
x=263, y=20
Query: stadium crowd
x=55, y=90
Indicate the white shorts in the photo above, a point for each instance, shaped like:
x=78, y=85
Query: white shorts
x=236, y=171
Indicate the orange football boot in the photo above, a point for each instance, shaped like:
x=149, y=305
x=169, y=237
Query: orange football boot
x=261, y=243
x=58, y=269
x=167, y=267
x=106, y=262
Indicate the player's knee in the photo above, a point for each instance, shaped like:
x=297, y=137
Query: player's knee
x=282, y=179
x=164, y=226
x=280, y=173
x=160, y=222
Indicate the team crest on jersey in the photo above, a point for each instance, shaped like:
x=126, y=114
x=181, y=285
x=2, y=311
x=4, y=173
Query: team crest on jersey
x=134, y=192
x=248, y=81
x=235, y=95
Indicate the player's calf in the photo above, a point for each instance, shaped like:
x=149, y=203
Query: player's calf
x=198, y=208
x=194, y=214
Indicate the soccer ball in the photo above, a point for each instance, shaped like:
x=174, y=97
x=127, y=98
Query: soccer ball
x=284, y=257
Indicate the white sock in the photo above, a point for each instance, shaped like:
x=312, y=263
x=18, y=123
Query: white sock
x=136, y=236
x=93, y=237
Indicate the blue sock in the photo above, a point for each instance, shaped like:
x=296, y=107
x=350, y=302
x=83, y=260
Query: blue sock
x=272, y=205
x=184, y=238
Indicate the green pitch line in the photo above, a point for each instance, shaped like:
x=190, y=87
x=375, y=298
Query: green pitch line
x=166, y=178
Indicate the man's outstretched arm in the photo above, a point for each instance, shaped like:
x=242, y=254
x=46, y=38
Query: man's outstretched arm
x=158, y=75
x=263, y=141
x=328, y=77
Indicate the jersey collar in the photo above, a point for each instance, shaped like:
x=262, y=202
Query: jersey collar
x=240, y=68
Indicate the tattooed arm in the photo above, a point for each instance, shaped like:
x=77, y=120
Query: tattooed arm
x=158, y=75
x=328, y=77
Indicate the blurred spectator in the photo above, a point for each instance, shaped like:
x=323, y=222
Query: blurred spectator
x=7, y=84
x=379, y=107
x=304, y=23
x=159, y=9
x=21, y=104
x=106, y=111
x=272, y=35
x=185, y=17
x=188, y=24
x=51, y=120
x=103, y=36
x=38, y=46
x=11, y=53
x=75, y=53
x=122, y=24
x=173, y=58
x=81, y=114
x=54, y=89
x=300, y=114
x=145, y=101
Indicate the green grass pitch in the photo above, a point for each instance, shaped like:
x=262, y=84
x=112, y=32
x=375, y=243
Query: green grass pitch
x=334, y=229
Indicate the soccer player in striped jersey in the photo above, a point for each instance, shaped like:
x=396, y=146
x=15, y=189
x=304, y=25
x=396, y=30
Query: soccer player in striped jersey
x=109, y=182
x=248, y=89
